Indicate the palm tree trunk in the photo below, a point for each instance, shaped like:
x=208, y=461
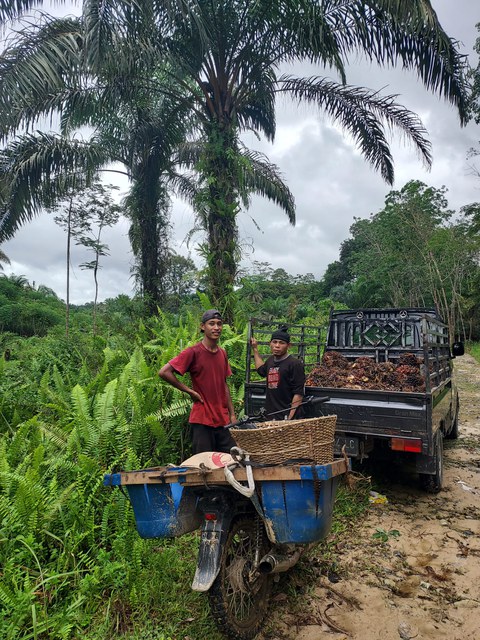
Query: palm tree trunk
x=149, y=233
x=149, y=254
x=222, y=206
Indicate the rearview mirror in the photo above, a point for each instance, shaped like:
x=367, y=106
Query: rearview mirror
x=458, y=349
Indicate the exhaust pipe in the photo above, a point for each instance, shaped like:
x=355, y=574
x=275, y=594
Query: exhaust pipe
x=273, y=563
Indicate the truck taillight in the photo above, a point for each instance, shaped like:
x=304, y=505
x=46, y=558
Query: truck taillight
x=407, y=444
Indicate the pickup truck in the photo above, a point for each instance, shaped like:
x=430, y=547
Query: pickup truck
x=377, y=423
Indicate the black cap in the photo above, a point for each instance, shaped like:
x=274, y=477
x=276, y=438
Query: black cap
x=281, y=334
x=210, y=315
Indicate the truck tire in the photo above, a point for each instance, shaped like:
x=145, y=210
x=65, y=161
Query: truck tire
x=433, y=483
x=453, y=433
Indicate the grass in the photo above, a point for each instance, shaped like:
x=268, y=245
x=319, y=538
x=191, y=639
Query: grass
x=473, y=348
x=350, y=504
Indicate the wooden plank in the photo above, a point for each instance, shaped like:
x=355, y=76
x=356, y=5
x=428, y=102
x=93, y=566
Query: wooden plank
x=198, y=477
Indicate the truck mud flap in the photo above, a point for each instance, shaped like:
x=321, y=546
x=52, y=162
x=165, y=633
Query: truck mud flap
x=428, y=464
x=214, y=535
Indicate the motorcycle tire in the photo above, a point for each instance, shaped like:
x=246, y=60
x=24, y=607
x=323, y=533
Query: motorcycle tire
x=239, y=597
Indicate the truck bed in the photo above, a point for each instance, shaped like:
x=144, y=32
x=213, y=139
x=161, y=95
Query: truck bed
x=372, y=414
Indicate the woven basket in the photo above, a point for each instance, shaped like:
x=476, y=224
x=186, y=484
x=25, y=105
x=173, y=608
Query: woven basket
x=280, y=440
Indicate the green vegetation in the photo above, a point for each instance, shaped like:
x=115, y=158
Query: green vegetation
x=474, y=349
x=25, y=310
x=382, y=535
x=71, y=411
x=413, y=252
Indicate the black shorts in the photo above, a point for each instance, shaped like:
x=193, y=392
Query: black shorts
x=205, y=438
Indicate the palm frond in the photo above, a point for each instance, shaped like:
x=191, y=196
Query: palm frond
x=176, y=409
x=388, y=31
x=264, y=178
x=38, y=169
x=185, y=186
x=4, y=258
x=361, y=112
x=37, y=69
x=11, y=10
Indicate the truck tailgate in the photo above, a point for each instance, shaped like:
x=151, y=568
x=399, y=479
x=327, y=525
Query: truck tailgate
x=373, y=411
x=360, y=411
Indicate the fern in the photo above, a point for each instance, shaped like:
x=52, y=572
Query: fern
x=178, y=408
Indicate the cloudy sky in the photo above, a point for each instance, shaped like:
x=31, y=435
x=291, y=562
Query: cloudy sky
x=331, y=183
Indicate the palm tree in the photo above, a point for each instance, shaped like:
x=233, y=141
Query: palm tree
x=224, y=57
x=232, y=52
x=20, y=281
x=135, y=123
x=130, y=128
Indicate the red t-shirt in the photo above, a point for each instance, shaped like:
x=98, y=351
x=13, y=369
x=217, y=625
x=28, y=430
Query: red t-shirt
x=208, y=372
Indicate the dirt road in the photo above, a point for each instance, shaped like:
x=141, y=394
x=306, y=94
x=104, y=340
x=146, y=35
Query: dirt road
x=423, y=580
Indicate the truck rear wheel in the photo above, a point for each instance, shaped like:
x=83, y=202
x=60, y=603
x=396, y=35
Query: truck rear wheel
x=433, y=483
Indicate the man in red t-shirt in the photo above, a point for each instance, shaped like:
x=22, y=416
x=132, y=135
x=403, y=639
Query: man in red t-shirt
x=208, y=366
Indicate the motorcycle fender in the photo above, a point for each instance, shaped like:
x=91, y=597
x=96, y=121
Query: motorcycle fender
x=214, y=535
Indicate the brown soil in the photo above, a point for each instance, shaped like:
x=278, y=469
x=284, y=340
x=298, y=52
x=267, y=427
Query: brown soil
x=423, y=583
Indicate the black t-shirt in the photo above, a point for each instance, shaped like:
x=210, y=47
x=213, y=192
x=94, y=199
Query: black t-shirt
x=285, y=378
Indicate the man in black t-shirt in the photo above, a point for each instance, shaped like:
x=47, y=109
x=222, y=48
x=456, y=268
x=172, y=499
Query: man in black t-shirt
x=285, y=377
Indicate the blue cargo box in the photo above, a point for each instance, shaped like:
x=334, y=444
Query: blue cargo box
x=297, y=500
x=299, y=511
x=161, y=510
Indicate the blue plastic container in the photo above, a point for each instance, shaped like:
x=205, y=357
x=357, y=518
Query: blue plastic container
x=296, y=511
x=299, y=511
x=161, y=510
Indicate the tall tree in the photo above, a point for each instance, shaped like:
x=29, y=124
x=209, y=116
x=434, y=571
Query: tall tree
x=224, y=56
x=127, y=98
x=411, y=253
x=232, y=52
x=66, y=219
x=97, y=211
x=131, y=125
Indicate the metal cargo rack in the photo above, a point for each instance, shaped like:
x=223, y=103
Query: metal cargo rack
x=307, y=343
x=385, y=334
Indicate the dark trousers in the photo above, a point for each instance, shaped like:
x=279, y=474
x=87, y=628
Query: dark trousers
x=206, y=438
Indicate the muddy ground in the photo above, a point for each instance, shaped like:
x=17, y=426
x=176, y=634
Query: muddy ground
x=423, y=580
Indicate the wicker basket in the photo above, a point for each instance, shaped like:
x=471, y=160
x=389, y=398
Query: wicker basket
x=280, y=440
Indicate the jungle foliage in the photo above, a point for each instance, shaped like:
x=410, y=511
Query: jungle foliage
x=72, y=563
x=414, y=252
x=72, y=410
x=165, y=86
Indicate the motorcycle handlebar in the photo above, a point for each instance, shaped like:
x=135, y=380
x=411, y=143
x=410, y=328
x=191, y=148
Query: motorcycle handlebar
x=313, y=400
x=262, y=416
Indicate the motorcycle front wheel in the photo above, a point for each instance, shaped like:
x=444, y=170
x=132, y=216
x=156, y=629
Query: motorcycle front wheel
x=240, y=595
